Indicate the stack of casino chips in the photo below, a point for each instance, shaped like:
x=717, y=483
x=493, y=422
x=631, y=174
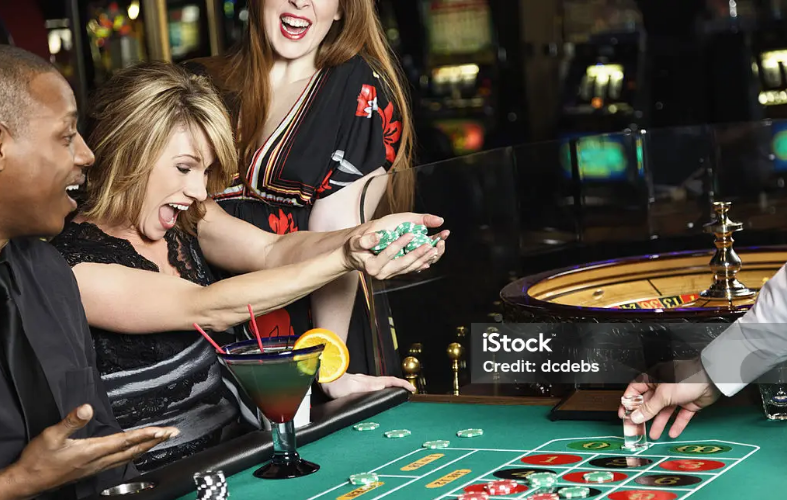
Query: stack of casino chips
x=211, y=485
x=501, y=488
x=389, y=236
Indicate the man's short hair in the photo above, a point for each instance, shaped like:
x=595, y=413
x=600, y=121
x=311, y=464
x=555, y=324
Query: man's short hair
x=18, y=68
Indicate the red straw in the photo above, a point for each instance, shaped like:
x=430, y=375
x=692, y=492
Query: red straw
x=255, y=329
x=207, y=337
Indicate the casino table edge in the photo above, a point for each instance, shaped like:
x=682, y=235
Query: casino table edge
x=253, y=449
x=176, y=480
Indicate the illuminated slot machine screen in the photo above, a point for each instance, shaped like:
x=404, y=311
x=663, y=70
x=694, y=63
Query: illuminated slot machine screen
x=458, y=26
x=584, y=18
x=187, y=30
x=466, y=136
x=458, y=84
x=779, y=146
x=773, y=77
x=601, y=158
x=115, y=31
x=602, y=83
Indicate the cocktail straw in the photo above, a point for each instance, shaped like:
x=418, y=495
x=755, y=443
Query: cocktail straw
x=207, y=337
x=255, y=329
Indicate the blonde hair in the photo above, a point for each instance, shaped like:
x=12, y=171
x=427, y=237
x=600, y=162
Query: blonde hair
x=244, y=71
x=131, y=120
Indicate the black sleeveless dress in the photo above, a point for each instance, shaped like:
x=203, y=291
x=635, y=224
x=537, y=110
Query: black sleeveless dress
x=159, y=379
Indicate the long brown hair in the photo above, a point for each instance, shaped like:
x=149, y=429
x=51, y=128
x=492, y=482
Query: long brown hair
x=244, y=73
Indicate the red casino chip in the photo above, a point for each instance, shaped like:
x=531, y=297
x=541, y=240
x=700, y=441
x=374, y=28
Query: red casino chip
x=511, y=486
x=642, y=495
x=691, y=465
x=551, y=459
x=501, y=487
x=478, y=495
x=544, y=496
x=578, y=477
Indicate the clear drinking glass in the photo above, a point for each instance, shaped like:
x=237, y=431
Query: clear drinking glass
x=773, y=391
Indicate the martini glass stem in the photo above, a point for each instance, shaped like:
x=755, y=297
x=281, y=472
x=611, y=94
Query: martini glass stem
x=284, y=443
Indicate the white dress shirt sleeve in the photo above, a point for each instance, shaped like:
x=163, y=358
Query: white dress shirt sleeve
x=754, y=344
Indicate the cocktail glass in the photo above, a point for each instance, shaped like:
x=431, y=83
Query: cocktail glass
x=277, y=381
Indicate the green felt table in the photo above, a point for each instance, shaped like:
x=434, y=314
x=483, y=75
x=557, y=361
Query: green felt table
x=725, y=453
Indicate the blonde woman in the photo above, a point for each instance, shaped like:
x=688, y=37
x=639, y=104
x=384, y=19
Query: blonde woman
x=142, y=244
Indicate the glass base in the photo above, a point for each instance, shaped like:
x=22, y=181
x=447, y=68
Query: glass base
x=774, y=401
x=775, y=412
x=286, y=470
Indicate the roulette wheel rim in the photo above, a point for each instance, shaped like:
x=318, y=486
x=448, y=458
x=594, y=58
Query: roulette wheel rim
x=531, y=295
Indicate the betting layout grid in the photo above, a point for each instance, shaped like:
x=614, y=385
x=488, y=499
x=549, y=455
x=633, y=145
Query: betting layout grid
x=663, y=471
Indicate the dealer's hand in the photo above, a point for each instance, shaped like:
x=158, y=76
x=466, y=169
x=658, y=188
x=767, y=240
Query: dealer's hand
x=692, y=392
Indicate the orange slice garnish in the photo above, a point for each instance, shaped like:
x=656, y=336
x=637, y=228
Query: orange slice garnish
x=335, y=358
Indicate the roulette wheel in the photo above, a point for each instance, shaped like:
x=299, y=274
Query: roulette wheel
x=692, y=286
x=640, y=312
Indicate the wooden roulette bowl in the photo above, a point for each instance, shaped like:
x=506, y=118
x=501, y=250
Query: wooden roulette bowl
x=650, y=288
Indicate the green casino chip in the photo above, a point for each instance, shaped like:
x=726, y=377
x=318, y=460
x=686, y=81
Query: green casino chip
x=410, y=227
x=433, y=445
x=417, y=242
x=365, y=478
x=406, y=227
x=386, y=238
x=469, y=433
x=397, y=433
x=574, y=492
x=542, y=479
x=598, y=477
x=420, y=238
x=366, y=426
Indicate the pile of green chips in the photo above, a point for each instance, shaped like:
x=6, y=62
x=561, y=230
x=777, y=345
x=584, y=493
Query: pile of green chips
x=388, y=236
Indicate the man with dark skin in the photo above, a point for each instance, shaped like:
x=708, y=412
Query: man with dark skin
x=58, y=437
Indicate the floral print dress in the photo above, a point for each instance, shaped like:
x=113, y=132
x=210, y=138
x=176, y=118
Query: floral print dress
x=341, y=128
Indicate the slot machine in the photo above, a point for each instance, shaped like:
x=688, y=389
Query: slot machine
x=118, y=33
x=465, y=68
x=602, y=90
x=769, y=67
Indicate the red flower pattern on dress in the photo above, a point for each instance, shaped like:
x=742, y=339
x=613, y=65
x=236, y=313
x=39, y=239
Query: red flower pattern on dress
x=326, y=183
x=274, y=324
x=392, y=132
x=282, y=224
x=367, y=101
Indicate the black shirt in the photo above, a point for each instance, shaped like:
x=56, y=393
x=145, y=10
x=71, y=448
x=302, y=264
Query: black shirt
x=46, y=294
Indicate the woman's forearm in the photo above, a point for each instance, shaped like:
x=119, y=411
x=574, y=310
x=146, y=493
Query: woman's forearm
x=332, y=305
x=225, y=303
x=134, y=301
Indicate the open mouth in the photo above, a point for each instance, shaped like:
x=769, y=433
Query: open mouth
x=168, y=214
x=70, y=190
x=294, y=27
